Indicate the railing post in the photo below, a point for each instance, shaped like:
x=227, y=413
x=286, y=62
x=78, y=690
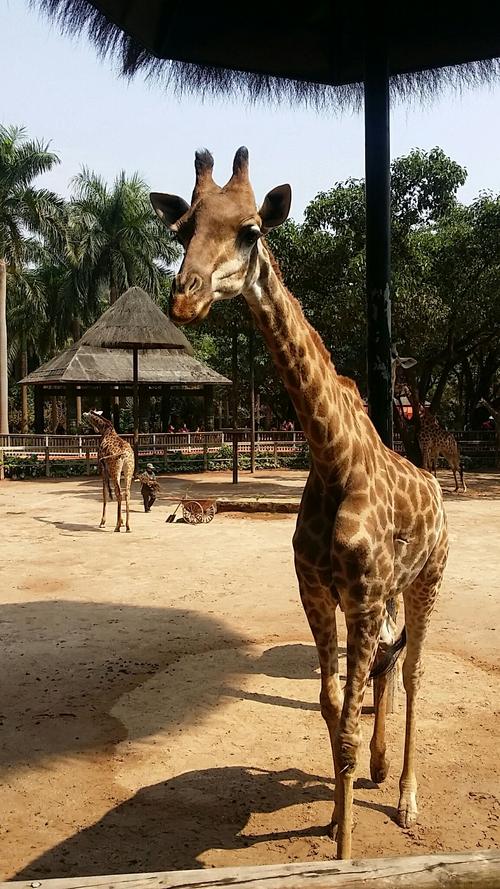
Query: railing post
x=87, y=461
x=47, y=460
x=205, y=452
x=165, y=456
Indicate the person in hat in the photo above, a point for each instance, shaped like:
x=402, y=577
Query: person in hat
x=149, y=486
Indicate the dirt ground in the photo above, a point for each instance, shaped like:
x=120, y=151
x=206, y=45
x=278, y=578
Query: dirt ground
x=159, y=705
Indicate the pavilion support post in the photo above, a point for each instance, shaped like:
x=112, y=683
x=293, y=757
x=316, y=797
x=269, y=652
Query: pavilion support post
x=208, y=408
x=39, y=405
x=135, y=354
x=106, y=403
x=115, y=409
x=78, y=402
x=54, y=414
x=251, y=359
x=165, y=408
x=144, y=402
x=378, y=264
x=378, y=237
x=70, y=410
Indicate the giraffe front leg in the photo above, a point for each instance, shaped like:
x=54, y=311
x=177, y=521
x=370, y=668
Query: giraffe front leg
x=379, y=764
x=320, y=608
x=419, y=601
x=362, y=638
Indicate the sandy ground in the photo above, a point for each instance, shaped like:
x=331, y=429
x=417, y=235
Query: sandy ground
x=159, y=705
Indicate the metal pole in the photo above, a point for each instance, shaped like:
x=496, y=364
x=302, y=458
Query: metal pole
x=251, y=357
x=135, y=354
x=378, y=266
x=378, y=235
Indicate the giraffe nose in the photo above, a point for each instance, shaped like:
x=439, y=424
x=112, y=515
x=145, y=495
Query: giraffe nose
x=188, y=285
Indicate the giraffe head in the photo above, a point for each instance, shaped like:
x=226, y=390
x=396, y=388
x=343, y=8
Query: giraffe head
x=99, y=423
x=219, y=231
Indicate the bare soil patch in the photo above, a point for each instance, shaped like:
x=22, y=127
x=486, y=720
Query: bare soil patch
x=160, y=690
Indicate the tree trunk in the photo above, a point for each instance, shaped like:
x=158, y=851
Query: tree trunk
x=443, y=379
x=24, y=390
x=4, y=375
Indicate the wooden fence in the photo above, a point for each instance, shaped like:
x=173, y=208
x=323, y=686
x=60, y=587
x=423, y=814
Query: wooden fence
x=475, y=870
x=478, y=445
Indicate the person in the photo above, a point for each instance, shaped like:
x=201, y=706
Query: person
x=170, y=428
x=183, y=428
x=149, y=486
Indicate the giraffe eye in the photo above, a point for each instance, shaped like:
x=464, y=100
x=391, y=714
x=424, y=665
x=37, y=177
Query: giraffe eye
x=250, y=234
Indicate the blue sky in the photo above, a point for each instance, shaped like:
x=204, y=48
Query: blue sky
x=60, y=90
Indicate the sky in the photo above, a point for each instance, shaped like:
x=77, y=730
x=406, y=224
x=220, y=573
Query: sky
x=60, y=91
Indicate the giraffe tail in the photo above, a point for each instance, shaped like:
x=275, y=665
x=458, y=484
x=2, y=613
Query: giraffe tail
x=386, y=662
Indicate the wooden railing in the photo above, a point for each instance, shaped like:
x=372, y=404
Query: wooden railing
x=468, y=870
x=479, y=445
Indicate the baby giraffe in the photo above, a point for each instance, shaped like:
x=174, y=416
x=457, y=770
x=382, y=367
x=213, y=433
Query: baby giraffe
x=371, y=525
x=116, y=462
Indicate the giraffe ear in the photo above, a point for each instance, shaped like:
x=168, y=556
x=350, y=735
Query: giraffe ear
x=169, y=208
x=276, y=207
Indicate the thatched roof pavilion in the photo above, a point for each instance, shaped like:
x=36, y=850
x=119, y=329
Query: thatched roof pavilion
x=332, y=55
x=101, y=364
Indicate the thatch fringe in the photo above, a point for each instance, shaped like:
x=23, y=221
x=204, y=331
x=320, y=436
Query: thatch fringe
x=76, y=16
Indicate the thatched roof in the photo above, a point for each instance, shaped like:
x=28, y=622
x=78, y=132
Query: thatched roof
x=92, y=365
x=312, y=52
x=134, y=320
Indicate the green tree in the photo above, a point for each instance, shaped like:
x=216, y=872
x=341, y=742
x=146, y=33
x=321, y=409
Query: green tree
x=23, y=209
x=114, y=239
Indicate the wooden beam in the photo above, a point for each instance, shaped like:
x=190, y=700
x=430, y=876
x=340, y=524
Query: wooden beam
x=474, y=870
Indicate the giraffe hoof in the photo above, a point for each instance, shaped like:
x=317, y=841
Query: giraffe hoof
x=379, y=772
x=128, y=530
x=407, y=811
x=332, y=830
x=117, y=530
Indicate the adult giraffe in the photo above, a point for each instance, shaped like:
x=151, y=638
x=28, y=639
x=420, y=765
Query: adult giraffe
x=370, y=525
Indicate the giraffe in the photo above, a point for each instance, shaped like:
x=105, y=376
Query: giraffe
x=370, y=524
x=116, y=462
x=496, y=416
x=433, y=441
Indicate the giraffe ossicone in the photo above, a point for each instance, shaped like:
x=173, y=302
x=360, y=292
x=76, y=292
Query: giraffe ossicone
x=371, y=526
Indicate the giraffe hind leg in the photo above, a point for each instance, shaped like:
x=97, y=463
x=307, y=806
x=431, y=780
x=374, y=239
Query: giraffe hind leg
x=419, y=601
x=118, y=494
x=105, y=484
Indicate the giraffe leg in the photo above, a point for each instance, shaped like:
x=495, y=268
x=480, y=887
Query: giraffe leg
x=118, y=494
x=419, y=601
x=320, y=608
x=379, y=765
x=104, y=500
x=362, y=638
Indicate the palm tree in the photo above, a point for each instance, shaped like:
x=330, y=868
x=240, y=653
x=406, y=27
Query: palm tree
x=23, y=209
x=117, y=241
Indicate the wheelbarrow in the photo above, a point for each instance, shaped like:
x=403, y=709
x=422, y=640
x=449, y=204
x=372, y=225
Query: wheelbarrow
x=194, y=512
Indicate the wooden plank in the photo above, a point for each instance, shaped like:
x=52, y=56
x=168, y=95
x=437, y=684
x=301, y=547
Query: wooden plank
x=475, y=870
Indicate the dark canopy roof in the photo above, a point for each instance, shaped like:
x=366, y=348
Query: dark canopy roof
x=91, y=365
x=310, y=44
x=135, y=321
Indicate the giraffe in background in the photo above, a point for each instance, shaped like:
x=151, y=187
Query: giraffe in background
x=116, y=462
x=496, y=416
x=434, y=441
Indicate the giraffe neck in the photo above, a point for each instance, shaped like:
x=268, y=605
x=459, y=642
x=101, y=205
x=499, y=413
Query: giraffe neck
x=328, y=405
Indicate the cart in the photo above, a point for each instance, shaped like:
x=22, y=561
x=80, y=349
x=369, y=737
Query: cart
x=194, y=512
